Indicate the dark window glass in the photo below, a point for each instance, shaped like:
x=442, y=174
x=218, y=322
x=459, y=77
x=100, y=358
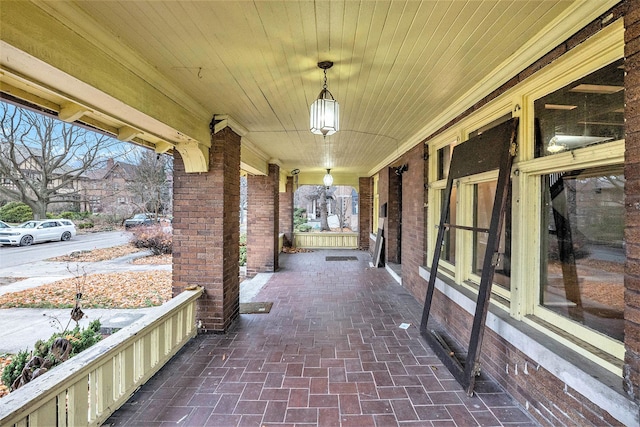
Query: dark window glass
x=449, y=242
x=484, y=195
x=582, y=274
x=444, y=159
x=585, y=112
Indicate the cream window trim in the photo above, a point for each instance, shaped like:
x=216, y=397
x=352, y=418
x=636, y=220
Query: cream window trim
x=493, y=111
x=598, y=340
x=525, y=207
x=603, y=48
x=464, y=241
x=495, y=290
x=608, y=154
x=467, y=183
x=450, y=138
x=480, y=178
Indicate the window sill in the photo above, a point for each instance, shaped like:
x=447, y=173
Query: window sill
x=596, y=383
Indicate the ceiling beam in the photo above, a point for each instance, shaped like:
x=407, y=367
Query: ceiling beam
x=71, y=112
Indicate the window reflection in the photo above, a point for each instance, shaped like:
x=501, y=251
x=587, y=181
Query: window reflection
x=484, y=195
x=449, y=242
x=444, y=159
x=583, y=255
x=586, y=112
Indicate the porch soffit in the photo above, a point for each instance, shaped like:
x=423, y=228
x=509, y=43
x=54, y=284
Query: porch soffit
x=402, y=69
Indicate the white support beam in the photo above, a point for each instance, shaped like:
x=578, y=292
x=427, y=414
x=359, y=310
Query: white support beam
x=162, y=147
x=71, y=112
x=127, y=133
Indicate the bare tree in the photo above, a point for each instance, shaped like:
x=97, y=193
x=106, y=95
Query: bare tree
x=243, y=193
x=321, y=195
x=42, y=159
x=341, y=211
x=150, y=186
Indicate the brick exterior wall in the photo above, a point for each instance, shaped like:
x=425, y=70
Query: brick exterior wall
x=263, y=221
x=392, y=227
x=206, y=214
x=405, y=244
x=632, y=199
x=413, y=200
x=365, y=200
x=286, y=212
x=546, y=397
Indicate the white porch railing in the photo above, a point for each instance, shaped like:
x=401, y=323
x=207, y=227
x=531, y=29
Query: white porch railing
x=86, y=389
x=328, y=240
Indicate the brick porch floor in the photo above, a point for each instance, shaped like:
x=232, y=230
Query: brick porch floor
x=330, y=353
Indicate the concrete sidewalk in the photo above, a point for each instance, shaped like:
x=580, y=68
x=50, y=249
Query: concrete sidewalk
x=20, y=328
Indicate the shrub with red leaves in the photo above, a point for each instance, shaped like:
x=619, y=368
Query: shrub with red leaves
x=154, y=237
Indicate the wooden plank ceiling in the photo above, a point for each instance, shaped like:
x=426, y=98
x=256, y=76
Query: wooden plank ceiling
x=398, y=65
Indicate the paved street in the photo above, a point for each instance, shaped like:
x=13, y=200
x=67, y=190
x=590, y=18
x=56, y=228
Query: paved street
x=11, y=256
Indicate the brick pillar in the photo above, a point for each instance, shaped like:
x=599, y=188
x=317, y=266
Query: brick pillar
x=206, y=232
x=262, y=221
x=365, y=200
x=631, y=370
x=286, y=212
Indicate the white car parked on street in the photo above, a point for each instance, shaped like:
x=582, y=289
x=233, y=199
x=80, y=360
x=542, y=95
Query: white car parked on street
x=37, y=231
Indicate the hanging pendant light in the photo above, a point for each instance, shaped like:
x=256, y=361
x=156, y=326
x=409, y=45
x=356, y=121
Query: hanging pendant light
x=325, y=111
x=327, y=180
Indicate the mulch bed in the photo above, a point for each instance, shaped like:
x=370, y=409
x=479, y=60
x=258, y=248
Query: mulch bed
x=97, y=255
x=113, y=290
x=109, y=290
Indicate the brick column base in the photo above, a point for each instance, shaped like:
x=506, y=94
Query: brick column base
x=206, y=232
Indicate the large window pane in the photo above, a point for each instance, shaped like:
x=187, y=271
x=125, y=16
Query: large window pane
x=582, y=247
x=444, y=159
x=484, y=195
x=585, y=112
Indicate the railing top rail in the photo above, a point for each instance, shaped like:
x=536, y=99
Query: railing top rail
x=327, y=233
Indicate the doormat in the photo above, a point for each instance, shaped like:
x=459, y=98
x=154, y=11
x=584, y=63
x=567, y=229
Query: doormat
x=341, y=258
x=255, y=307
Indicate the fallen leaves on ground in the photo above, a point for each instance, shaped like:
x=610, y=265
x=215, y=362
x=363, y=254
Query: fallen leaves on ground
x=96, y=255
x=606, y=289
x=153, y=260
x=132, y=289
x=291, y=250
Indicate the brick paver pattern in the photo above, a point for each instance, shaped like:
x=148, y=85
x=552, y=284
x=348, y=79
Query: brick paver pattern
x=330, y=353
